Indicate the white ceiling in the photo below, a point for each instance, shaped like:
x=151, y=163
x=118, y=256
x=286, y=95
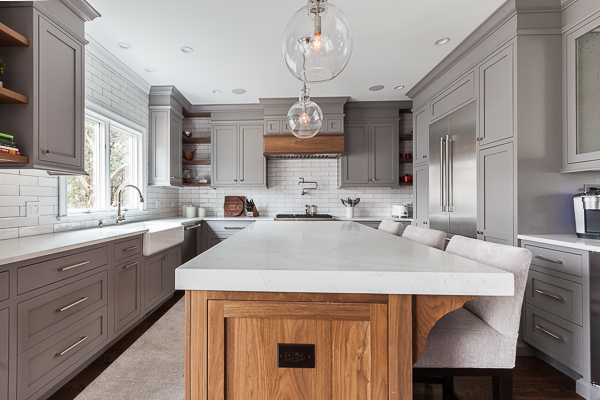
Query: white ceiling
x=237, y=44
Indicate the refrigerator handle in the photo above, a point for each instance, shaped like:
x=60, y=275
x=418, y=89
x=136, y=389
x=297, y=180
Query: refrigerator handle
x=449, y=183
x=442, y=175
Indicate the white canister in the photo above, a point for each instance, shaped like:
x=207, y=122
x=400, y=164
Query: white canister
x=349, y=212
x=201, y=212
x=190, y=212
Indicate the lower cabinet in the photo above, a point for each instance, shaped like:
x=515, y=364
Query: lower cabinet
x=128, y=293
x=421, y=185
x=4, y=345
x=214, y=232
x=159, y=276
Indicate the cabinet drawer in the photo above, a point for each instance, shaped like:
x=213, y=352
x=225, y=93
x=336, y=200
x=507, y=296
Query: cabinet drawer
x=556, y=296
x=561, y=261
x=47, y=314
x=4, y=285
x=453, y=98
x=4, y=315
x=4, y=381
x=228, y=226
x=554, y=336
x=41, y=274
x=43, y=364
x=128, y=248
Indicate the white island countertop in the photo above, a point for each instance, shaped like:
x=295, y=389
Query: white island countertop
x=335, y=257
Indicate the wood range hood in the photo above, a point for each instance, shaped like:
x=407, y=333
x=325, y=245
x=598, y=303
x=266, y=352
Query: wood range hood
x=291, y=147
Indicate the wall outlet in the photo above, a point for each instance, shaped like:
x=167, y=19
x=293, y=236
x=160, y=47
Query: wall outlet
x=33, y=208
x=157, y=204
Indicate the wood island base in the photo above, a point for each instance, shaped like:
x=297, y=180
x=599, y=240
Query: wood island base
x=365, y=345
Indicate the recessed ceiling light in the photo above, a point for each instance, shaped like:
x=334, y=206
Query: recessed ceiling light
x=187, y=49
x=150, y=70
x=238, y=91
x=442, y=41
x=376, y=88
x=216, y=91
x=399, y=87
x=124, y=45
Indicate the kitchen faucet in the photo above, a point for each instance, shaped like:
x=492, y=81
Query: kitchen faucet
x=120, y=217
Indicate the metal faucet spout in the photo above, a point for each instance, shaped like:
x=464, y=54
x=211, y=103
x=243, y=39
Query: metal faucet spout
x=120, y=217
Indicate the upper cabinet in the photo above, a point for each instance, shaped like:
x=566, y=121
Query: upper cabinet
x=582, y=90
x=421, y=135
x=165, y=146
x=237, y=155
x=49, y=74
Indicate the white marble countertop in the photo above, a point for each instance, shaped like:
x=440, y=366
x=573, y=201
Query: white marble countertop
x=20, y=249
x=335, y=257
x=564, y=239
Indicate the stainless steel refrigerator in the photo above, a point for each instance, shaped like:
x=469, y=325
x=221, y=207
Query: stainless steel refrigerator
x=453, y=173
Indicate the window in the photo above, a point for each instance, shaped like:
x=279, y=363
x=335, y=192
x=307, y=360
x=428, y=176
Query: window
x=113, y=159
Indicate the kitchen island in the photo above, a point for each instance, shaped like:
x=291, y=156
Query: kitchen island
x=361, y=301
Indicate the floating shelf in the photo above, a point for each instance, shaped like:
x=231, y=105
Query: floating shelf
x=13, y=158
x=10, y=97
x=197, y=184
x=406, y=137
x=405, y=183
x=196, y=162
x=195, y=140
x=10, y=38
x=406, y=160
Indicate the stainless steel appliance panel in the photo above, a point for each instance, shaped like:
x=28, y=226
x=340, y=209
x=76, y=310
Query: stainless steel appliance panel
x=438, y=219
x=191, y=242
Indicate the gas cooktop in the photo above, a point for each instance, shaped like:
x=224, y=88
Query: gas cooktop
x=304, y=217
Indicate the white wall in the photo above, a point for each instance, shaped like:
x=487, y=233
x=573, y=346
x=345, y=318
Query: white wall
x=110, y=90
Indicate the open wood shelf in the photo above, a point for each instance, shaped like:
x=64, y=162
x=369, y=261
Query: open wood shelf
x=405, y=183
x=13, y=158
x=406, y=160
x=10, y=97
x=196, y=162
x=406, y=137
x=10, y=38
x=197, y=184
x=195, y=140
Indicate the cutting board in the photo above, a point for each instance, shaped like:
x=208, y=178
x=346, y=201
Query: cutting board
x=234, y=206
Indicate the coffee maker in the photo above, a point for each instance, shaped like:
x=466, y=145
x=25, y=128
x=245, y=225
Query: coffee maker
x=587, y=212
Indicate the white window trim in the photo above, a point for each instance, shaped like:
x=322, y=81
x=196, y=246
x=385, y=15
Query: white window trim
x=119, y=122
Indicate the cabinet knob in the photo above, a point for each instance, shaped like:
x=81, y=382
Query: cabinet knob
x=424, y=222
x=424, y=156
x=479, y=139
x=166, y=257
x=235, y=180
x=241, y=180
x=480, y=232
x=46, y=152
x=373, y=180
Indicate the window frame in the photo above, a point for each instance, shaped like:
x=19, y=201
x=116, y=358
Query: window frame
x=108, y=120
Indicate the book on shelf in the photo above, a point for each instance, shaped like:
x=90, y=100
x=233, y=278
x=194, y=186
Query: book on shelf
x=8, y=142
x=8, y=150
x=5, y=136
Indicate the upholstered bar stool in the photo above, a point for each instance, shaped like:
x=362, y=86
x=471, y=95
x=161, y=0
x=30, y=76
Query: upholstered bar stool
x=391, y=226
x=429, y=237
x=479, y=339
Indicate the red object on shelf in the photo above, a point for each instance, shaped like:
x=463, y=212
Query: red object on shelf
x=406, y=178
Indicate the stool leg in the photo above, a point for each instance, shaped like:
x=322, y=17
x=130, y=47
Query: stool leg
x=502, y=385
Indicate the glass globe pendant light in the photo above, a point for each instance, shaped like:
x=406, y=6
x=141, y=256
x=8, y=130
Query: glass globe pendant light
x=305, y=118
x=317, y=42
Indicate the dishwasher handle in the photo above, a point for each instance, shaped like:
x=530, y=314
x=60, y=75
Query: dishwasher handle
x=187, y=228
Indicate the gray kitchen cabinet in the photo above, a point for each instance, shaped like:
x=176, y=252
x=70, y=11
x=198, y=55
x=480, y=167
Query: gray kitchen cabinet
x=496, y=97
x=128, y=293
x=214, y=232
x=165, y=146
x=454, y=97
x=421, y=192
x=421, y=141
x=371, y=159
x=159, y=276
x=496, y=191
x=237, y=156
x=4, y=346
x=4, y=285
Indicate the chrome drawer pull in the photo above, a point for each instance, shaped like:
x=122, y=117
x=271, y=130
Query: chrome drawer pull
x=130, y=248
x=560, y=298
x=73, y=266
x=65, y=351
x=235, y=227
x=549, y=333
x=130, y=265
x=71, y=305
x=549, y=259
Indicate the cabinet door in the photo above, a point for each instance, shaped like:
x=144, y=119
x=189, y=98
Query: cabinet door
x=175, y=151
x=252, y=164
x=384, y=149
x=4, y=317
x=496, y=105
x=128, y=299
x=158, y=152
x=421, y=133
x=60, y=101
x=421, y=187
x=169, y=263
x=153, y=280
x=355, y=164
x=224, y=156
x=496, y=195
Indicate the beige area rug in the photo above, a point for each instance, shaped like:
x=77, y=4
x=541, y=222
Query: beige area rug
x=151, y=369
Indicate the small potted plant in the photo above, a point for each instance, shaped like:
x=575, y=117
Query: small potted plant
x=2, y=66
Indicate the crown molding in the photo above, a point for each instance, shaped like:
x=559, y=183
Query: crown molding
x=174, y=93
x=96, y=49
x=82, y=9
x=209, y=108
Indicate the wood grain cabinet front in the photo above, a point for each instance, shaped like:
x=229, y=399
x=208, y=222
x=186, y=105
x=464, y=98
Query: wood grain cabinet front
x=128, y=293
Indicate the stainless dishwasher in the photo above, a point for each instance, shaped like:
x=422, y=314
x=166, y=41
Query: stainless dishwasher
x=191, y=241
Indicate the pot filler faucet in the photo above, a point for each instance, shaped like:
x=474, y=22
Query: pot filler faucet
x=121, y=217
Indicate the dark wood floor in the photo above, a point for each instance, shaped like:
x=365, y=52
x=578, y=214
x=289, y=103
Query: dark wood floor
x=87, y=376
x=533, y=379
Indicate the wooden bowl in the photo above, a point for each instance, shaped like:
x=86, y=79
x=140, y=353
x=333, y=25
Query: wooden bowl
x=188, y=155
